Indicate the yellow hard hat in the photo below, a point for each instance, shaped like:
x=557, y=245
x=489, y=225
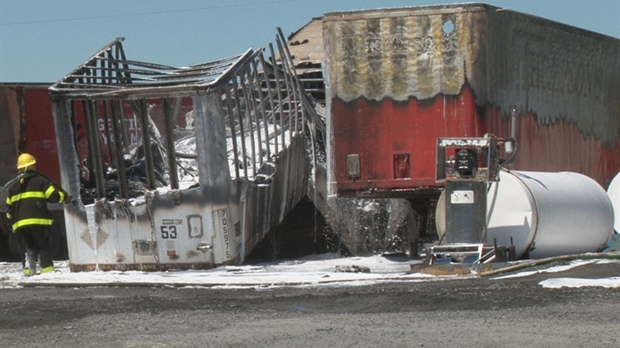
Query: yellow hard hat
x=25, y=160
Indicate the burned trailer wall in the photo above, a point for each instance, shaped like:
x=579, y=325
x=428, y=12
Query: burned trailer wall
x=397, y=82
x=126, y=189
x=564, y=83
x=398, y=79
x=263, y=108
x=211, y=164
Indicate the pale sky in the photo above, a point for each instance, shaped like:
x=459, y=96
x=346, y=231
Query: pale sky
x=42, y=41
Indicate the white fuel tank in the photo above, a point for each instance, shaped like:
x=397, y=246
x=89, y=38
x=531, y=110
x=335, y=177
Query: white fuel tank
x=545, y=214
x=614, y=194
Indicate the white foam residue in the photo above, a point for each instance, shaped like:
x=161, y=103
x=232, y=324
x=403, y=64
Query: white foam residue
x=555, y=283
x=316, y=271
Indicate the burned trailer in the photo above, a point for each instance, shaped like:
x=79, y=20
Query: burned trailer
x=177, y=167
x=399, y=79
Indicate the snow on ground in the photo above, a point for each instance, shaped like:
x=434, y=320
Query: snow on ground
x=316, y=271
x=611, y=282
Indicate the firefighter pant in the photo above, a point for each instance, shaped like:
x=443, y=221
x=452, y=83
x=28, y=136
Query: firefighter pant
x=37, y=241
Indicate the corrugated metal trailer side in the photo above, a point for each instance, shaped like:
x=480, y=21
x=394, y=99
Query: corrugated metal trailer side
x=26, y=112
x=398, y=79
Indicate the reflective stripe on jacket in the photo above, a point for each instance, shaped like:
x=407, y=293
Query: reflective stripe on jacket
x=27, y=202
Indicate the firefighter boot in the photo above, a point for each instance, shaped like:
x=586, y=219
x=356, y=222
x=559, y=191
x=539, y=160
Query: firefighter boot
x=26, y=265
x=31, y=262
x=49, y=269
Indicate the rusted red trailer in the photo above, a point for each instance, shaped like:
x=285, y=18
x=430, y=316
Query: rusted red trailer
x=399, y=79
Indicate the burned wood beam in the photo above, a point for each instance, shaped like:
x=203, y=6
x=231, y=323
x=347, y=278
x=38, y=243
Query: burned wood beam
x=262, y=108
x=299, y=88
x=241, y=128
x=271, y=102
x=94, y=142
x=146, y=145
x=231, y=120
x=249, y=108
x=117, y=128
x=169, y=116
x=279, y=89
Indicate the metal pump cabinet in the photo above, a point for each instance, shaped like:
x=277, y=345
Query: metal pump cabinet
x=466, y=165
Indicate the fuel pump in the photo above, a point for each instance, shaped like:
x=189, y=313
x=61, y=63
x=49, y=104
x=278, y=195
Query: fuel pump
x=466, y=165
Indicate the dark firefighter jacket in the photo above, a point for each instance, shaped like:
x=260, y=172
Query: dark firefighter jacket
x=27, y=202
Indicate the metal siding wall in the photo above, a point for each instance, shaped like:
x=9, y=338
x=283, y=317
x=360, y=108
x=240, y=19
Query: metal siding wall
x=564, y=83
x=10, y=110
x=398, y=82
x=378, y=131
x=40, y=133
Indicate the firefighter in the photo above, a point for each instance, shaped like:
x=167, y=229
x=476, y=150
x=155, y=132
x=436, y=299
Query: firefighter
x=29, y=215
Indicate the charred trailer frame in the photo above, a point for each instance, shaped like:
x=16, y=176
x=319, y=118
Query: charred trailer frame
x=177, y=167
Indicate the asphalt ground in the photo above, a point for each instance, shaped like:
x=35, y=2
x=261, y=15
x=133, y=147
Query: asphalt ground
x=502, y=310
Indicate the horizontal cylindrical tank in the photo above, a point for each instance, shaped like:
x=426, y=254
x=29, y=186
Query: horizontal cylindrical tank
x=545, y=214
x=614, y=194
